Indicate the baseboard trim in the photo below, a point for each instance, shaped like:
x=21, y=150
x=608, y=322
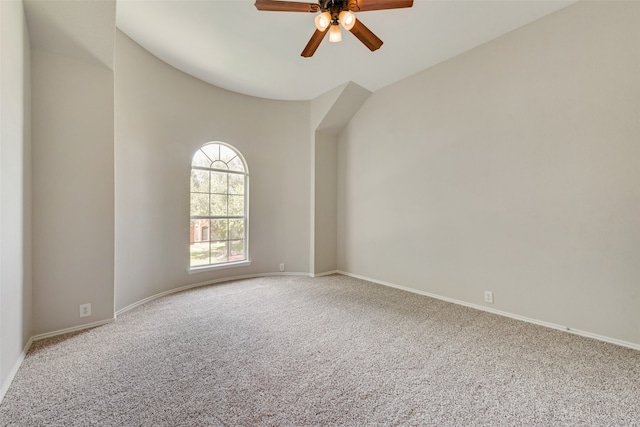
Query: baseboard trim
x=326, y=273
x=72, y=329
x=14, y=370
x=206, y=283
x=499, y=312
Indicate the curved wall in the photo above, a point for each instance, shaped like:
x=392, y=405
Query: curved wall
x=162, y=116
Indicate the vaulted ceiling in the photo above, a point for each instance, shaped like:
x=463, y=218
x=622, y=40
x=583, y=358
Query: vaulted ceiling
x=230, y=44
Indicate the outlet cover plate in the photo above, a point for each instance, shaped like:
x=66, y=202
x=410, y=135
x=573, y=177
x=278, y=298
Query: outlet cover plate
x=85, y=310
x=488, y=297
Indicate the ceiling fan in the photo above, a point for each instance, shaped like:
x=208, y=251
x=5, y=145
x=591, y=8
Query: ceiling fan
x=333, y=14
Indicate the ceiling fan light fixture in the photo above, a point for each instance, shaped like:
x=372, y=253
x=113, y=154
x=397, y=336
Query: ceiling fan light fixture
x=333, y=14
x=334, y=33
x=323, y=21
x=347, y=19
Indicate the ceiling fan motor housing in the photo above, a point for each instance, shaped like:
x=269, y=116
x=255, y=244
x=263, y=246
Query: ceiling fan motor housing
x=334, y=7
x=331, y=4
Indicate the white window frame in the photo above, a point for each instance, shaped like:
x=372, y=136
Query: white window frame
x=222, y=265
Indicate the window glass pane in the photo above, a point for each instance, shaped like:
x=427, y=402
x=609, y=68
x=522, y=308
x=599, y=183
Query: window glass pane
x=220, y=229
x=199, y=181
x=226, y=153
x=236, y=183
x=219, y=252
x=212, y=151
x=198, y=227
x=199, y=204
x=192, y=233
x=236, y=205
x=200, y=159
x=219, y=165
x=219, y=182
x=218, y=205
x=199, y=254
x=236, y=229
x=236, y=165
x=237, y=250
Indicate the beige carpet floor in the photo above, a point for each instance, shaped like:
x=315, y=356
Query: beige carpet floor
x=330, y=351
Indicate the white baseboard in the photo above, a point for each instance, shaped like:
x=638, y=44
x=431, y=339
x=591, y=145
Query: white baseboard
x=14, y=370
x=586, y=334
x=72, y=329
x=326, y=273
x=206, y=283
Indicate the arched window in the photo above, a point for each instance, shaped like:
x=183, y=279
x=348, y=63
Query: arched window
x=219, y=205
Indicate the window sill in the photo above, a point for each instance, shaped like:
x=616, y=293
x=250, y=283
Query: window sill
x=194, y=270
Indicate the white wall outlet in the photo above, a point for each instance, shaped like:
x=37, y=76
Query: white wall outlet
x=282, y=267
x=488, y=296
x=85, y=310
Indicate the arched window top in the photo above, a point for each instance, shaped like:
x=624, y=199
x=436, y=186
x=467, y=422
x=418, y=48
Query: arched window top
x=219, y=156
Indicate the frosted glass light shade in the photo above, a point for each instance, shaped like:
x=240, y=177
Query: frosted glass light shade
x=323, y=21
x=347, y=19
x=334, y=33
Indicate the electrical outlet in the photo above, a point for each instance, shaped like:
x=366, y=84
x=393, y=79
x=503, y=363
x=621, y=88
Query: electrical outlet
x=282, y=267
x=488, y=296
x=85, y=310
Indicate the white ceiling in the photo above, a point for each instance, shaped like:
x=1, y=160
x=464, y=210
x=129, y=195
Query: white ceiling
x=230, y=44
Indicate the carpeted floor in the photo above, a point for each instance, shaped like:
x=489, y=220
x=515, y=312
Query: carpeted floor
x=295, y=351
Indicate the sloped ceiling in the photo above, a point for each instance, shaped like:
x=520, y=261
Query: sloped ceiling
x=84, y=30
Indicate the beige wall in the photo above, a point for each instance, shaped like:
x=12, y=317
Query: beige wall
x=511, y=168
x=73, y=191
x=330, y=113
x=15, y=196
x=325, y=190
x=162, y=117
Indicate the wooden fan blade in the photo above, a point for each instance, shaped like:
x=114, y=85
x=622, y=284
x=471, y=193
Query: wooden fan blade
x=366, y=5
x=313, y=44
x=366, y=36
x=286, y=6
